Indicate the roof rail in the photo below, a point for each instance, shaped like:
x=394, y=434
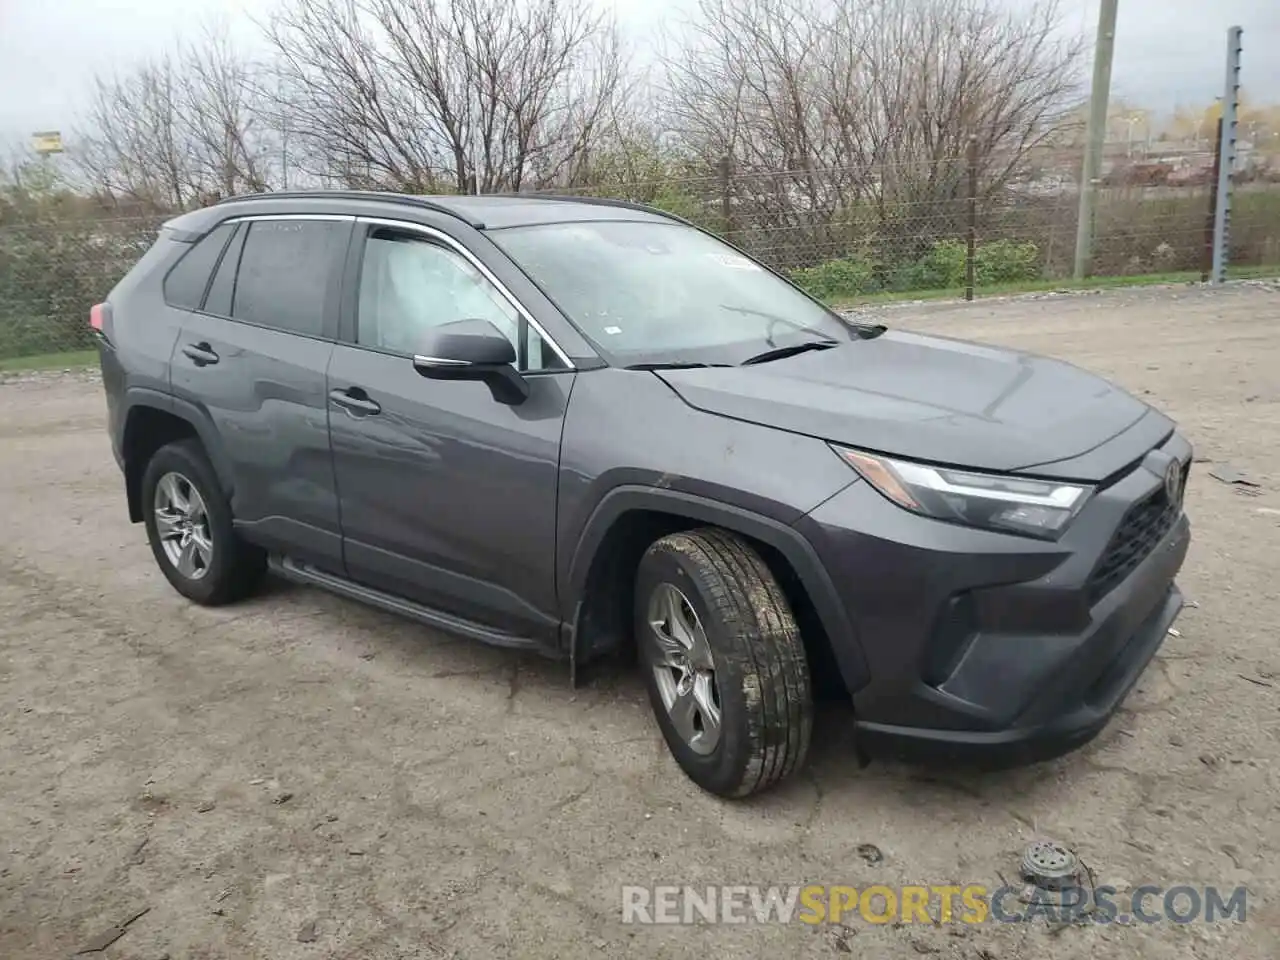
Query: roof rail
x=599, y=202
x=431, y=204
x=380, y=196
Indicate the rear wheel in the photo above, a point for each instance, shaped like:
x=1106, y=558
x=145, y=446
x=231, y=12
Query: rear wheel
x=188, y=523
x=723, y=661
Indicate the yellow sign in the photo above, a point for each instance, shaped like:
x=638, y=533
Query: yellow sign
x=882, y=904
x=47, y=141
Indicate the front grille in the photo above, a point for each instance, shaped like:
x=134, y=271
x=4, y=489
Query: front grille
x=1142, y=528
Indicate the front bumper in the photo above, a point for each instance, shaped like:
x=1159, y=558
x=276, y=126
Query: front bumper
x=1069, y=716
x=994, y=648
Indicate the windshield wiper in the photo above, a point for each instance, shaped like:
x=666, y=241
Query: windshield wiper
x=777, y=353
x=672, y=365
x=774, y=320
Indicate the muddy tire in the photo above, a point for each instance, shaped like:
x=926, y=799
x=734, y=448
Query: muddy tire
x=723, y=661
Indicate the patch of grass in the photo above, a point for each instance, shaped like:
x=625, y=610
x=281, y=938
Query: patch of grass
x=1040, y=286
x=50, y=361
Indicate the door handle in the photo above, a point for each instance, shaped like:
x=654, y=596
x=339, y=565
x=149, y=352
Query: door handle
x=201, y=354
x=356, y=401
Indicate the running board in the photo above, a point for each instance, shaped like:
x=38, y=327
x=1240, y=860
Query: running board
x=304, y=573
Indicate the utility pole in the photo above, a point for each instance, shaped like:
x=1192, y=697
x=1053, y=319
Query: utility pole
x=1095, y=133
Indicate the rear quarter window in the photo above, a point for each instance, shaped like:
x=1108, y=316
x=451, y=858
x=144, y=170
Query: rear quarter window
x=186, y=282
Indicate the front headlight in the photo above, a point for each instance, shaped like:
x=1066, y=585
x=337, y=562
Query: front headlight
x=1037, y=508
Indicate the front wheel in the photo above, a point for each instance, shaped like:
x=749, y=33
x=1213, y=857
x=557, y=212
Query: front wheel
x=723, y=661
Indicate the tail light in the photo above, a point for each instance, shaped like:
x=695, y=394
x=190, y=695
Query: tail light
x=99, y=315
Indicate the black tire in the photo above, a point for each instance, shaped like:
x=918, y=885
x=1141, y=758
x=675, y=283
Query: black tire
x=235, y=567
x=761, y=673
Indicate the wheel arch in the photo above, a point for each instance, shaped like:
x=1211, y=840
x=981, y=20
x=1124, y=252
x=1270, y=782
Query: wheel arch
x=154, y=419
x=629, y=518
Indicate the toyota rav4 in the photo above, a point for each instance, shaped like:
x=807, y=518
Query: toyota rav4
x=588, y=427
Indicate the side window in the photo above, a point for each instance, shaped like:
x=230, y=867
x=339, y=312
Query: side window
x=223, y=288
x=285, y=270
x=409, y=285
x=185, y=284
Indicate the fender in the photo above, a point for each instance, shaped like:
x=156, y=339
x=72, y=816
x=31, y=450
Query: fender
x=194, y=415
x=786, y=540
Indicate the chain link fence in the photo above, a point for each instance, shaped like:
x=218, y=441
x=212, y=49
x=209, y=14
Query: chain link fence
x=956, y=223
x=54, y=268
x=844, y=234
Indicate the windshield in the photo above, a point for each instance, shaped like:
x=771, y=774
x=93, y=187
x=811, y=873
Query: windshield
x=647, y=292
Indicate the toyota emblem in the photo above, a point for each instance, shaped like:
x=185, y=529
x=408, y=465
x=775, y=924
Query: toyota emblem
x=1173, y=481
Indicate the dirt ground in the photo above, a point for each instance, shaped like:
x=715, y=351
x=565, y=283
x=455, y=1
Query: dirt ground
x=301, y=777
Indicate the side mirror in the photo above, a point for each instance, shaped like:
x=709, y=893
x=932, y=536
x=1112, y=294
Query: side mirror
x=473, y=350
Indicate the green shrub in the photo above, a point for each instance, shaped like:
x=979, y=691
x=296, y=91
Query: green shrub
x=53, y=271
x=943, y=267
x=837, y=279
x=1005, y=261
x=939, y=269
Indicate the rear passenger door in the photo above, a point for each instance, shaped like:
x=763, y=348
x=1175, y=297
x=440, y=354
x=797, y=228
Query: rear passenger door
x=253, y=356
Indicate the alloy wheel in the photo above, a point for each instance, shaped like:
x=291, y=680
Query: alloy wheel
x=182, y=524
x=684, y=668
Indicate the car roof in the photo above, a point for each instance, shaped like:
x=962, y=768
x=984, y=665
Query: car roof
x=487, y=212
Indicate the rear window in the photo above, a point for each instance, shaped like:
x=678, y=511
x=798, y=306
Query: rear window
x=186, y=283
x=285, y=271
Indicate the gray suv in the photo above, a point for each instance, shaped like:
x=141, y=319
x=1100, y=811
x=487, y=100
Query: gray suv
x=587, y=428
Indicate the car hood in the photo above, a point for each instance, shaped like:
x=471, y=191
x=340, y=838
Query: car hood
x=935, y=399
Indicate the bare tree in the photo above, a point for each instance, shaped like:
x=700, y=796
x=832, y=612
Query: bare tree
x=972, y=70
x=132, y=144
x=854, y=106
x=752, y=81
x=423, y=95
x=223, y=107
x=175, y=131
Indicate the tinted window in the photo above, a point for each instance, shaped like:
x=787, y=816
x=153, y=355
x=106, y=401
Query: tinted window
x=408, y=286
x=285, y=270
x=186, y=282
x=223, y=288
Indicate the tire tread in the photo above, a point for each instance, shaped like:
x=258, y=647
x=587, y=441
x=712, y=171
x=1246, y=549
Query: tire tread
x=767, y=649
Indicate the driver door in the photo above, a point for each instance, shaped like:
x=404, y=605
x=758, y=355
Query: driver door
x=447, y=496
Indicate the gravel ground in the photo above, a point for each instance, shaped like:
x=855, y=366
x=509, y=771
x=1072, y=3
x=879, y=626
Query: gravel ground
x=301, y=777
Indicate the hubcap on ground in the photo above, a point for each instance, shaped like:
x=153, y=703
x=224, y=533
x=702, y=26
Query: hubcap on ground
x=182, y=523
x=683, y=668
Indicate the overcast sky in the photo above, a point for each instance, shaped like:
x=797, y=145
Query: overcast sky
x=1168, y=52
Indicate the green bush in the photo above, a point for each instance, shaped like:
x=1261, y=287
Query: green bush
x=1005, y=261
x=941, y=268
x=53, y=271
x=60, y=253
x=836, y=279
